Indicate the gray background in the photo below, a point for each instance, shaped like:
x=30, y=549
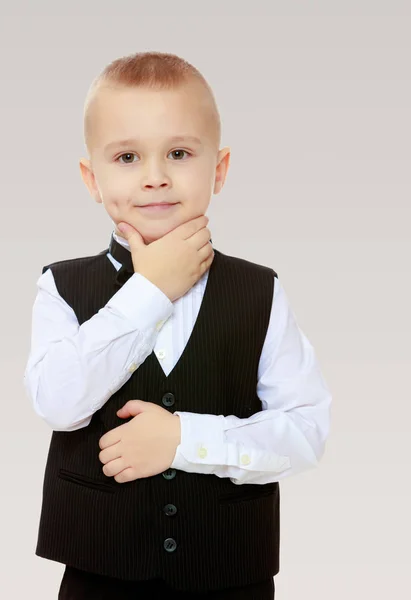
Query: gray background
x=315, y=102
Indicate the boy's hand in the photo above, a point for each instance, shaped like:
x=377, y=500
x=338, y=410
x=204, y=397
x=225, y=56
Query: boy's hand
x=175, y=262
x=144, y=446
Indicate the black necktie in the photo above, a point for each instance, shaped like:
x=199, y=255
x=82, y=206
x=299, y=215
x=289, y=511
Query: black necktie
x=123, y=256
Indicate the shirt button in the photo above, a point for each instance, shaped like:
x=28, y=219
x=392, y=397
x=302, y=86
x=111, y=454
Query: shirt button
x=161, y=354
x=245, y=459
x=202, y=452
x=132, y=367
x=159, y=325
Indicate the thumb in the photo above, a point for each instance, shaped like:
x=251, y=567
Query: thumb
x=133, y=237
x=131, y=409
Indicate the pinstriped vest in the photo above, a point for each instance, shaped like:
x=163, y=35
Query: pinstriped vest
x=216, y=534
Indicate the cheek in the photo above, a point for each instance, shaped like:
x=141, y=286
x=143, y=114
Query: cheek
x=199, y=186
x=114, y=190
x=111, y=205
x=115, y=199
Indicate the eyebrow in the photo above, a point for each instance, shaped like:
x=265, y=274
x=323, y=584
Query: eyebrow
x=130, y=141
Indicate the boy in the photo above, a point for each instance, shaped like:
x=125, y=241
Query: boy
x=178, y=385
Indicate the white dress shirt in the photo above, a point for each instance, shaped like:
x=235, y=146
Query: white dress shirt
x=73, y=370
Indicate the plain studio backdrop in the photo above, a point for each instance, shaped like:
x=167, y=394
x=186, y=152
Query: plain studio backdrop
x=315, y=99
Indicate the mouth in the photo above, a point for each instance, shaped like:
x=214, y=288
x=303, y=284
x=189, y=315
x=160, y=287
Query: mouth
x=157, y=206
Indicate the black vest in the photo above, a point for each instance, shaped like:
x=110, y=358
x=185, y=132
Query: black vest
x=221, y=534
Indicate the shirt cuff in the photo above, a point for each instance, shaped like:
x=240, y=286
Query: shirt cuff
x=142, y=303
x=202, y=447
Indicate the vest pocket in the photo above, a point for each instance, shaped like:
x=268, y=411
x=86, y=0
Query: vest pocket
x=86, y=481
x=248, y=491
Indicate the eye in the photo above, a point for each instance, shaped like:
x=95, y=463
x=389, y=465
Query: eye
x=126, y=154
x=179, y=153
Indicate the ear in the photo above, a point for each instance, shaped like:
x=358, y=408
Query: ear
x=223, y=162
x=89, y=179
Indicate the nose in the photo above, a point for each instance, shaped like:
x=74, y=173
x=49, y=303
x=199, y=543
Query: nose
x=154, y=177
x=153, y=186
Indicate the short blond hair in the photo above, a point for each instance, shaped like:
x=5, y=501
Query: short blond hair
x=154, y=70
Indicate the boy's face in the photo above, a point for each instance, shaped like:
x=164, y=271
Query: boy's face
x=153, y=166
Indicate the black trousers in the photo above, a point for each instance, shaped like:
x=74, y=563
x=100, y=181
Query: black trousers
x=79, y=585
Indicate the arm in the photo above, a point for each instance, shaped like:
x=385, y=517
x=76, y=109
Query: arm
x=288, y=435
x=73, y=370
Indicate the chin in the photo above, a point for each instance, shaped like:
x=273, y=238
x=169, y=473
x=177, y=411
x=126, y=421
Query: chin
x=155, y=231
x=151, y=236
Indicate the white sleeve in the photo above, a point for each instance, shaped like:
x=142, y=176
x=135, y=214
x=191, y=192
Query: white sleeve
x=288, y=435
x=73, y=370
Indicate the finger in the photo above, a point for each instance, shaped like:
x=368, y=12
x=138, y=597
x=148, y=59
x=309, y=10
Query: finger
x=128, y=474
x=200, y=238
x=205, y=265
x=131, y=409
x=114, y=467
x=205, y=254
x=133, y=237
x=110, y=453
x=189, y=228
x=108, y=439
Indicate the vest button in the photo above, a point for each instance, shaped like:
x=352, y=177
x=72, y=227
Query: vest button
x=169, y=474
x=170, y=510
x=168, y=399
x=170, y=545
